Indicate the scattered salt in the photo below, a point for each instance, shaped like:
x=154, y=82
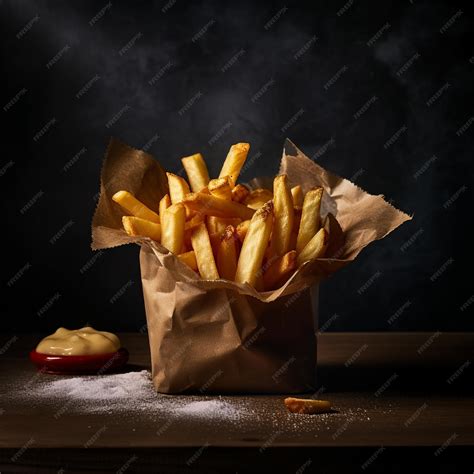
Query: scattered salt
x=208, y=409
x=132, y=395
x=126, y=393
x=106, y=387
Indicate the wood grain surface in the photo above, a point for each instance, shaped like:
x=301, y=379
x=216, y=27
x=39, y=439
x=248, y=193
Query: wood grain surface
x=388, y=390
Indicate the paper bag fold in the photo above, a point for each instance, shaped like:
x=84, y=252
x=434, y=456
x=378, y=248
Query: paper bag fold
x=217, y=335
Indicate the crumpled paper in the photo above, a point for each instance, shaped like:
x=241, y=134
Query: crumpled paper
x=218, y=336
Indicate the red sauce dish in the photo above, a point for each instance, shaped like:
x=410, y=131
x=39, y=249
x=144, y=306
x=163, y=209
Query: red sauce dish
x=79, y=364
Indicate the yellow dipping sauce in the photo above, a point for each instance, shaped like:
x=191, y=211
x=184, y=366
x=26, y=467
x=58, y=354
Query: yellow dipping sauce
x=84, y=341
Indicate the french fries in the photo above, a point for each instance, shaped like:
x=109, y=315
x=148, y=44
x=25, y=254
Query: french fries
x=222, y=229
x=297, y=195
x=254, y=246
x=227, y=254
x=219, y=224
x=165, y=202
x=284, y=216
x=193, y=222
x=213, y=206
x=204, y=255
x=221, y=187
x=307, y=406
x=315, y=248
x=136, y=226
x=240, y=192
x=310, y=219
x=234, y=161
x=178, y=188
x=132, y=205
x=257, y=198
x=173, y=228
x=196, y=170
x=242, y=229
x=279, y=271
x=189, y=258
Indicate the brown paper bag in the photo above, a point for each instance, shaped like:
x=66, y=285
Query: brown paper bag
x=217, y=336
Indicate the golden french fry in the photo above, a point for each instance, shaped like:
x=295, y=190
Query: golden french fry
x=234, y=161
x=219, y=224
x=258, y=197
x=254, y=246
x=227, y=254
x=194, y=222
x=189, y=258
x=297, y=195
x=165, y=202
x=172, y=233
x=213, y=206
x=215, y=238
x=204, y=254
x=307, y=406
x=132, y=205
x=136, y=226
x=211, y=224
x=196, y=170
x=221, y=187
x=240, y=192
x=189, y=226
x=178, y=188
x=315, y=248
x=279, y=271
x=284, y=216
x=242, y=229
x=310, y=219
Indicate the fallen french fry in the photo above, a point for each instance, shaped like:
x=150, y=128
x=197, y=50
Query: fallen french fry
x=307, y=406
x=310, y=219
x=213, y=206
x=234, y=161
x=254, y=246
x=297, y=195
x=283, y=216
x=178, y=188
x=279, y=271
x=242, y=229
x=172, y=232
x=135, y=207
x=196, y=170
x=221, y=187
x=240, y=192
x=136, y=226
x=315, y=248
x=189, y=258
x=257, y=198
x=165, y=202
x=227, y=254
x=204, y=254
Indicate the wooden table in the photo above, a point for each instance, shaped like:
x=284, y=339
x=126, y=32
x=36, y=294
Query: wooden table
x=399, y=398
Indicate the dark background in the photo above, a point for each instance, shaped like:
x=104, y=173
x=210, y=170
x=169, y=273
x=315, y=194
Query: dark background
x=249, y=71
